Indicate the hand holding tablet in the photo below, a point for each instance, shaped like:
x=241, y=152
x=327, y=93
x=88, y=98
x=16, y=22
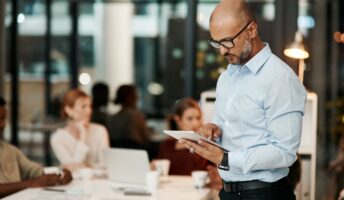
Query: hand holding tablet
x=190, y=135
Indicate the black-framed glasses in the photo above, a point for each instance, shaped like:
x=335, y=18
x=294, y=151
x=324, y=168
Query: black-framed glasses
x=227, y=42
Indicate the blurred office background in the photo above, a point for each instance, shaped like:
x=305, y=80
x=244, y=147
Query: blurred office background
x=161, y=46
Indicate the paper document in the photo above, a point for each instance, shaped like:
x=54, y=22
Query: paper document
x=51, y=195
x=190, y=135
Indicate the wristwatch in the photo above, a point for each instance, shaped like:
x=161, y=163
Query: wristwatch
x=224, y=162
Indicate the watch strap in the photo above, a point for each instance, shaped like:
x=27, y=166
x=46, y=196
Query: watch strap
x=224, y=162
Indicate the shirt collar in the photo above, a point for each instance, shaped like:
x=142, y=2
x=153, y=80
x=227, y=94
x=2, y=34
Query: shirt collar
x=231, y=68
x=257, y=61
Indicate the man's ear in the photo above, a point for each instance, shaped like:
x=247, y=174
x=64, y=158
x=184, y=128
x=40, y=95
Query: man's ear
x=253, y=30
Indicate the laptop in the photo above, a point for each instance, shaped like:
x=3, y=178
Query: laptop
x=127, y=168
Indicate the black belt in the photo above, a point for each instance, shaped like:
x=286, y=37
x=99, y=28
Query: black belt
x=250, y=185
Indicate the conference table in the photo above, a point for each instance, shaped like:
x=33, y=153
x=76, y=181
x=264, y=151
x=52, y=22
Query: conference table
x=170, y=188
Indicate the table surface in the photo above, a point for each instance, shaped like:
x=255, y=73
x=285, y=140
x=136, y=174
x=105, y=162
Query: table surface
x=170, y=188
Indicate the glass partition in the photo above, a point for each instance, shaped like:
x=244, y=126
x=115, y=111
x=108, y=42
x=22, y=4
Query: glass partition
x=154, y=63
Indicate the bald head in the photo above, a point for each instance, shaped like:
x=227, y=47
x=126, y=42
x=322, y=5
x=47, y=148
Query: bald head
x=233, y=28
x=234, y=10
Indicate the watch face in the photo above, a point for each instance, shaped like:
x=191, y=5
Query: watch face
x=224, y=162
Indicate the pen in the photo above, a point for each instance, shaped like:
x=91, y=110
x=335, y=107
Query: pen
x=55, y=189
x=139, y=193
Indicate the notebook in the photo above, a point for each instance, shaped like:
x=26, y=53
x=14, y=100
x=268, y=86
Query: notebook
x=127, y=168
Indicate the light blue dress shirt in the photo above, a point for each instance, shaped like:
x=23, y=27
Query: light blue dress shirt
x=259, y=108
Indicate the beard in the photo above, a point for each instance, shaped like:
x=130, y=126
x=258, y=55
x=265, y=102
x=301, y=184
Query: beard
x=242, y=57
x=246, y=52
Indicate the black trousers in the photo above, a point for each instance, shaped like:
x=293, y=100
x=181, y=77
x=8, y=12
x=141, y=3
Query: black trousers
x=277, y=191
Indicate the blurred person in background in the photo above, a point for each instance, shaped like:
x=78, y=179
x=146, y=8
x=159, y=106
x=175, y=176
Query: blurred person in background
x=128, y=128
x=100, y=96
x=80, y=143
x=17, y=172
x=187, y=116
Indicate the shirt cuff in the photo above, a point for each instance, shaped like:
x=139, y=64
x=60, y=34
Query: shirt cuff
x=235, y=159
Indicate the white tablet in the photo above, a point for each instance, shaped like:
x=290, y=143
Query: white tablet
x=190, y=135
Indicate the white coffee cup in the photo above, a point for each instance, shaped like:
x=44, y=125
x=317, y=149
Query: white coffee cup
x=199, y=178
x=86, y=173
x=162, y=166
x=152, y=181
x=52, y=170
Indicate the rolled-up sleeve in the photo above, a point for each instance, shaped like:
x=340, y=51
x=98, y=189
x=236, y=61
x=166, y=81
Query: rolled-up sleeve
x=28, y=168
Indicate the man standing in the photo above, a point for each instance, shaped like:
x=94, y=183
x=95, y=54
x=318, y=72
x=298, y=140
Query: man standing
x=17, y=172
x=258, y=110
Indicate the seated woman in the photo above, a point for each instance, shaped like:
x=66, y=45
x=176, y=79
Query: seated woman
x=80, y=143
x=188, y=116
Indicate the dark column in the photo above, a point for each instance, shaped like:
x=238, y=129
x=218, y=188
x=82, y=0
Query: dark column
x=190, y=48
x=2, y=47
x=285, y=28
x=47, y=73
x=322, y=71
x=47, y=81
x=74, y=50
x=14, y=75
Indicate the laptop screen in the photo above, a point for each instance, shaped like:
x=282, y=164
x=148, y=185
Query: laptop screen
x=127, y=166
